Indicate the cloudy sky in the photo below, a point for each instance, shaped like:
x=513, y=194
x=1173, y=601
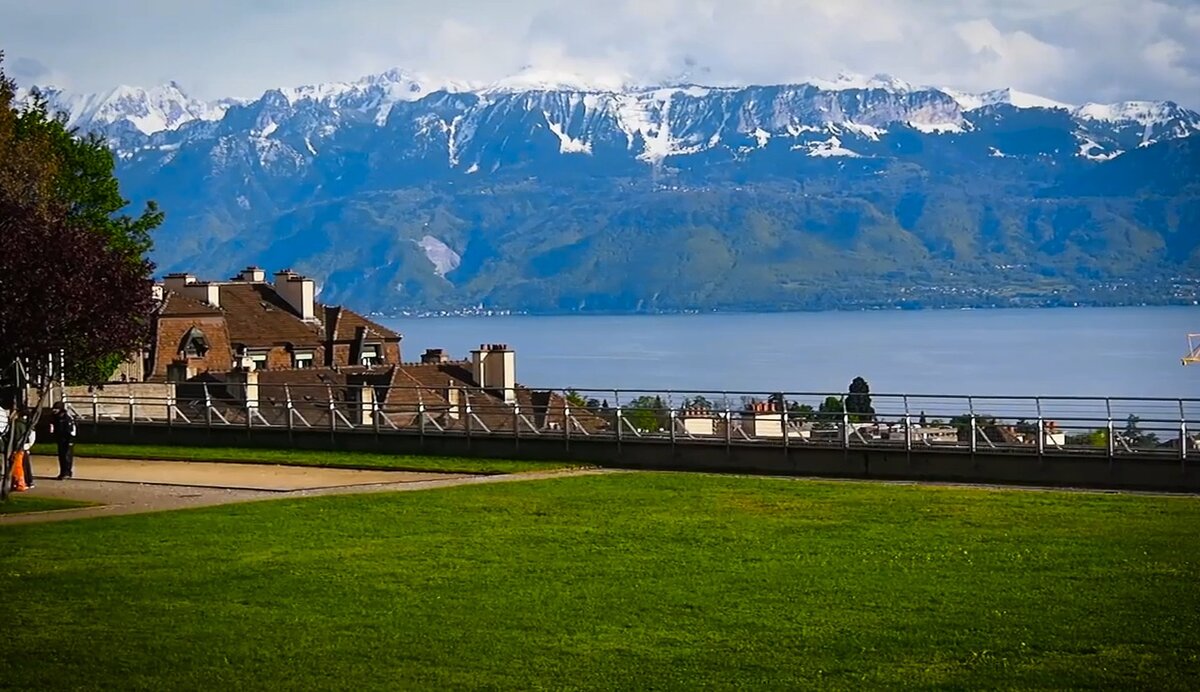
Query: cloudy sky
x=1072, y=50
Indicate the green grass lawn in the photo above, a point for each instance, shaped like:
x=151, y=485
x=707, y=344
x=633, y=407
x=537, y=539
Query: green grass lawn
x=300, y=457
x=19, y=503
x=627, y=581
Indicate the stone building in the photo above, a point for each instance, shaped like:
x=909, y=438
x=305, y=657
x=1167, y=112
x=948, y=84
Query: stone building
x=213, y=327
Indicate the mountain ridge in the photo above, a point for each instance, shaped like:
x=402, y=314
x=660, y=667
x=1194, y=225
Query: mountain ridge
x=399, y=196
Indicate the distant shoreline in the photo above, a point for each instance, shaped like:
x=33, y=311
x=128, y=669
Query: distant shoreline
x=499, y=312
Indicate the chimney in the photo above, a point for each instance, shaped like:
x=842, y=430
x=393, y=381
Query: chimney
x=366, y=404
x=245, y=384
x=176, y=282
x=156, y=291
x=252, y=274
x=495, y=369
x=203, y=291
x=435, y=355
x=298, y=292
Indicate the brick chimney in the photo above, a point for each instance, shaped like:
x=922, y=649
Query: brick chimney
x=434, y=356
x=176, y=282
x=204, y=291
x=298, y=292
x=252, y=274
x=495, y=368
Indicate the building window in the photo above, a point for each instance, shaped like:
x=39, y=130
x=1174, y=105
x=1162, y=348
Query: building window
x=259, y=358
x=370, y=355
x=302, y=359
x=195, y=344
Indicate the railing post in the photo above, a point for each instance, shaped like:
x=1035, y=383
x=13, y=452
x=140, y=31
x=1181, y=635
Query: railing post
x=728, y=429
x=1183, y=437
x=907, y=427
x=1041, y=429
x=170, y=410
x=467, y=412
x=566, y=424
x=132, y=415
x=95, y=409
x=207, y=408
x=619, y=419
x=516, y=418
x=287, y=394
x=845, y=427
x=1111, y=438
x=671, y=421
x=974, y=426
x=421, y=421
x=332, y=411
x=783, y=427
x=375, y=411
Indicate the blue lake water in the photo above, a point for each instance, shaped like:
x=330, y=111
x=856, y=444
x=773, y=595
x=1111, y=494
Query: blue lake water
x=1043, y=352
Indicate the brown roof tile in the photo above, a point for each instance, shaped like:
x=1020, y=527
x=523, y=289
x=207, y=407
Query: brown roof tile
x=178, y=305
x=257, y=316
x=345, y=324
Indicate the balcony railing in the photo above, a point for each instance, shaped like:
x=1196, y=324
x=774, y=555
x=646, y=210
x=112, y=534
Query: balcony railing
x=1114, y=426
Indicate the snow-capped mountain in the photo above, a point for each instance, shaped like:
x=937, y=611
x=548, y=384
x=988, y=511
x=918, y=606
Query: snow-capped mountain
x=164, y=107
x=655, y=123
x=526, y=179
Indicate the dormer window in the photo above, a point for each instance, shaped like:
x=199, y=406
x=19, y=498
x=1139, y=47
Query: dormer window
x=259, y=358
x=302, y=359
x=194, y=344
x=370, y=355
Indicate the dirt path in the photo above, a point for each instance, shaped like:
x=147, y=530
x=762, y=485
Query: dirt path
x=133, y=487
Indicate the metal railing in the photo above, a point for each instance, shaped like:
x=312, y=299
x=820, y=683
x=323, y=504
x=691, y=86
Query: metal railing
x=1113, y=427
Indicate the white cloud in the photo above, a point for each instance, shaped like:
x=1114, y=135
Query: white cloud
x=1071, y=50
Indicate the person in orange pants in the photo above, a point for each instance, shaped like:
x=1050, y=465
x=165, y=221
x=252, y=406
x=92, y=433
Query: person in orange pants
x=18, y=471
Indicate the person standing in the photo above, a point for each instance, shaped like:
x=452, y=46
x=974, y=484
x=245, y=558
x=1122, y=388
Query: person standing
x=22, y=458
x=62, y=426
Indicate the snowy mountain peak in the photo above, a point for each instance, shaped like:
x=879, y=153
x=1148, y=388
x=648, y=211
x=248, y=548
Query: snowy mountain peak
x=1141, y=112
x=850, y=80
x=538, y=79
x=1006, y=96
x=165, y=107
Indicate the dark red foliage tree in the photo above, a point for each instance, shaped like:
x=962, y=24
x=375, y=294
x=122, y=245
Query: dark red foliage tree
x=64, y=287
x=68, y=295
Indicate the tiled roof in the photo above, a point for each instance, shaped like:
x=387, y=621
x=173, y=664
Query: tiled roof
x=342, y=324
x=178, y=305
x=257, y=316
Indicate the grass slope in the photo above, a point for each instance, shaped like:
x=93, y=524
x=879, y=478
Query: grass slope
x=616, y=581
x=18, y=503
x=300, y=457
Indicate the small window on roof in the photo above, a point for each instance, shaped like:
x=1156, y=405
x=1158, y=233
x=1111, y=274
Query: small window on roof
x=302, y=359
x=194, y=344
x=370, y=355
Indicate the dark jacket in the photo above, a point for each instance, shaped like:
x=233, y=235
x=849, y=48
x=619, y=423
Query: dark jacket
x=62, y=426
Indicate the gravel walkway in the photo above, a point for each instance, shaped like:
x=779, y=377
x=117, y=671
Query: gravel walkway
x=125, y=487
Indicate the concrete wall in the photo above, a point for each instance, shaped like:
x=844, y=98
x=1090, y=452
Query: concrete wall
x=113, y=400
x=956, y=465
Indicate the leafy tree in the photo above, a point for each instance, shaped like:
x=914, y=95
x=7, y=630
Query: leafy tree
x=1095, y=438
x=646, y=413
x=575, y=399
x=802, y=412
x=698, y=402
x=53, y=176
x=829, y=412
x=1135, y=436
x=858, y=402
